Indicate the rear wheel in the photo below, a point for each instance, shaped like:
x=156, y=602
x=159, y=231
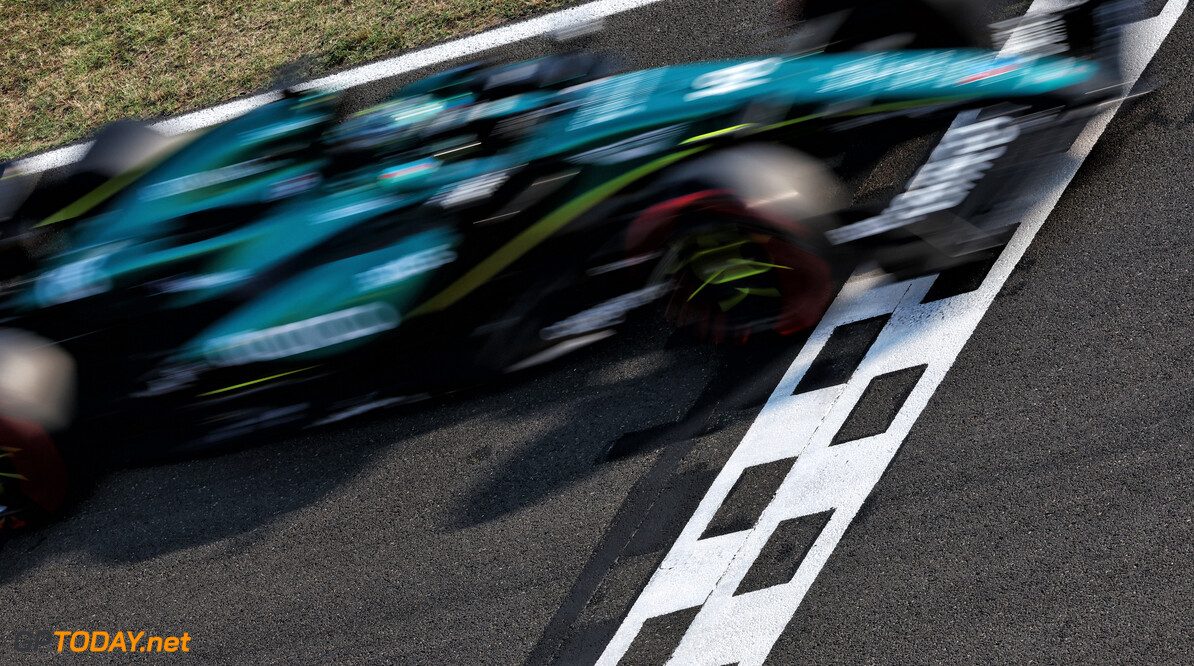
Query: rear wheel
x=32, y=474
x=36, y=404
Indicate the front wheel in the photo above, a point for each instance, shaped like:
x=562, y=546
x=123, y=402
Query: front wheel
x=741, y=236
x=732, y=275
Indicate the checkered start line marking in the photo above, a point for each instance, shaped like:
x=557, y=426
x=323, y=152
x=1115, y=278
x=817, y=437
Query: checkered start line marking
x=918, y=340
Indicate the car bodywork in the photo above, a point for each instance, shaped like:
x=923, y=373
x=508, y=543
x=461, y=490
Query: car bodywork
x=288, y=268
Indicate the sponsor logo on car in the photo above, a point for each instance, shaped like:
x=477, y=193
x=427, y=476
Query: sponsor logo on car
x=405, y=267
x=303, y=336
x=964, y=155
x=604, y=315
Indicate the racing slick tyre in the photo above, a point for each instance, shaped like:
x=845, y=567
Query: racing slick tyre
x=742, y=239
x=37, y=385
x=913, y=24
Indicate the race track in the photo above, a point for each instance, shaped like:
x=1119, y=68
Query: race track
x=987, y=468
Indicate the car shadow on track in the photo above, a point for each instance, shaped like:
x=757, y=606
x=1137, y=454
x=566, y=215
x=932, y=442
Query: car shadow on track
x=717, y=386
x=507, y=446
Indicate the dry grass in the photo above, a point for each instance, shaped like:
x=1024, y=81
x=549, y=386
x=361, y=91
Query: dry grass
x=68, y=66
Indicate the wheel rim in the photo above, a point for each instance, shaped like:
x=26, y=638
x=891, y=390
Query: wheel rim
x=736, y=276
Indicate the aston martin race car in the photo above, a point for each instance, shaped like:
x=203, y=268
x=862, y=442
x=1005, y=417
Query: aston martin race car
x=292, y=267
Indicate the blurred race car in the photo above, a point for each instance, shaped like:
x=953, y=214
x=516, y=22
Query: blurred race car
x=288, y=268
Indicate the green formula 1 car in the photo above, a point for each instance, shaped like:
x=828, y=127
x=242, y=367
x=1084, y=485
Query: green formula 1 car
x=289, y=268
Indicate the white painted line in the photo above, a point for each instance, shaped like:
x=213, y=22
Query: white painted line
x=743, y=629
x=409, y=62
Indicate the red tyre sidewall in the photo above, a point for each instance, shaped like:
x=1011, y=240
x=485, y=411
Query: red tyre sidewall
x=37, y=460
x=808, y=287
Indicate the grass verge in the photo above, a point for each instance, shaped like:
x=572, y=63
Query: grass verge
x=68, y=66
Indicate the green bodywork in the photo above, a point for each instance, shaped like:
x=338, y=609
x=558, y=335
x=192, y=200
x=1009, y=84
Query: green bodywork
x=167, y=225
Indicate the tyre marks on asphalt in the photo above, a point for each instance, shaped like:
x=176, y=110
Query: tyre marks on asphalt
x=740, y=610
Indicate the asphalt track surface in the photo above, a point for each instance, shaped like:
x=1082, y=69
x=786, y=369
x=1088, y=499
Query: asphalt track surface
x=1039, y=510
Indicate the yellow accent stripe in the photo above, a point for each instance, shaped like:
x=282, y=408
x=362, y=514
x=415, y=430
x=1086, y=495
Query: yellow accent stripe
x=94, y=197
x=112, y=186
x=538, y=232
x=786, y=123
x=716, y=133
x=255, y=381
